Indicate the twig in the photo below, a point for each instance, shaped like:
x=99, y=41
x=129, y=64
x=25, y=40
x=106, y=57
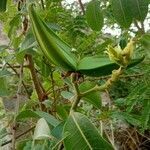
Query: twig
x=17, y=107
x=42, y=3
x=82, y=7
x=141, y=29
x=25, y=87
x=14, y=66
x=9, y=141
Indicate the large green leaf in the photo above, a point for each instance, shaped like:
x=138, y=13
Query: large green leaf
x=93, y=97
x=96, y=66
x=38, y=114
x=122, y=13
x=139, y=9
x=99, y=66
x=81, y=134
x=94, y=15
x=3, y=4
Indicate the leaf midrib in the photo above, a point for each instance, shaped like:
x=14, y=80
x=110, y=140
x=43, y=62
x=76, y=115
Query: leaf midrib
x=76, y=123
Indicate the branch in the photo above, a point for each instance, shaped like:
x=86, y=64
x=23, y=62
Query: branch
x=17, y=106
x=115, y=75
x=25, y=87
x=36, y=81
x=82, y=7
x=18, y=136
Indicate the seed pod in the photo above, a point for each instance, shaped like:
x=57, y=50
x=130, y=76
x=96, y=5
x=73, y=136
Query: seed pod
x=54, y=48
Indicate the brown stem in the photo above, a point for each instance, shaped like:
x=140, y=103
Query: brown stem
x=14, y=66
x=140, y=29
x=36, y=81
x=82, y=7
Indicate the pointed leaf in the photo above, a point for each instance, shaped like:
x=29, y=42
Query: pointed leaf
x=99, y=66
x=81, y=134
x=42, y=130
x=94, y=97
x=38, y=114
x=96, y=66
x=94, y=15
x=58, y=130
x=122, y=13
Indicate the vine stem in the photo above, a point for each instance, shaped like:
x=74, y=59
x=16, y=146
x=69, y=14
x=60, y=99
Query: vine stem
x=115, y=75
x=77, y=96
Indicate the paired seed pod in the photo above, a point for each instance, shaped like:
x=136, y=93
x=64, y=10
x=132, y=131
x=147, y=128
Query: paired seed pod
x=56, y=50
x=59, y=52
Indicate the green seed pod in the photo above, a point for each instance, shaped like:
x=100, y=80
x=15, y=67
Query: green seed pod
x=54, y=48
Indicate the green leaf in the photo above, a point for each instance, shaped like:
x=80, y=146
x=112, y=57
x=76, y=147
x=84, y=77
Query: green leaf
x=81, y=134
x=66, y=94
x=100, y=66
x=38, y=114
x=61, y=111
x=94, y=15
x=145, y=114
x=145, y=41
x=122, y=13
x=42, y=130
x=58, y=130
x=3, y=4
x=139, y=9
x=96, y=66
x=29, y=41
x=123, y=43
x=14, y=24
x=135, y=62
x=4, y=73
x=3, y=87
x=20, y=145
x=94, y=97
